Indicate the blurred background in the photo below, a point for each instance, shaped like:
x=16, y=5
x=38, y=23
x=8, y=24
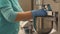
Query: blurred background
x=25, y=4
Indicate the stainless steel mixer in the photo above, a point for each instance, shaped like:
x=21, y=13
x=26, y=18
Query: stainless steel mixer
x=44, y=25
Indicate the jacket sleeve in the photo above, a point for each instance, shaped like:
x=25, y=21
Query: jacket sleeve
x=7, y=11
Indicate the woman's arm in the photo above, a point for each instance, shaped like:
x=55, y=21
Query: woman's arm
x=23, y=16
x=30, y=14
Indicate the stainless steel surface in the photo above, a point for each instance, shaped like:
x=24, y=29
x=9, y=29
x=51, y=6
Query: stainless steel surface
x=47, y=22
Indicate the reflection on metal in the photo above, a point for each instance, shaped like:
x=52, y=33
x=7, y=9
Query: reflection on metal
x=45, y=28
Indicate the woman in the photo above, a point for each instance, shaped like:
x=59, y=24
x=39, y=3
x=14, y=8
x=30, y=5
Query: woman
x=11, y=13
